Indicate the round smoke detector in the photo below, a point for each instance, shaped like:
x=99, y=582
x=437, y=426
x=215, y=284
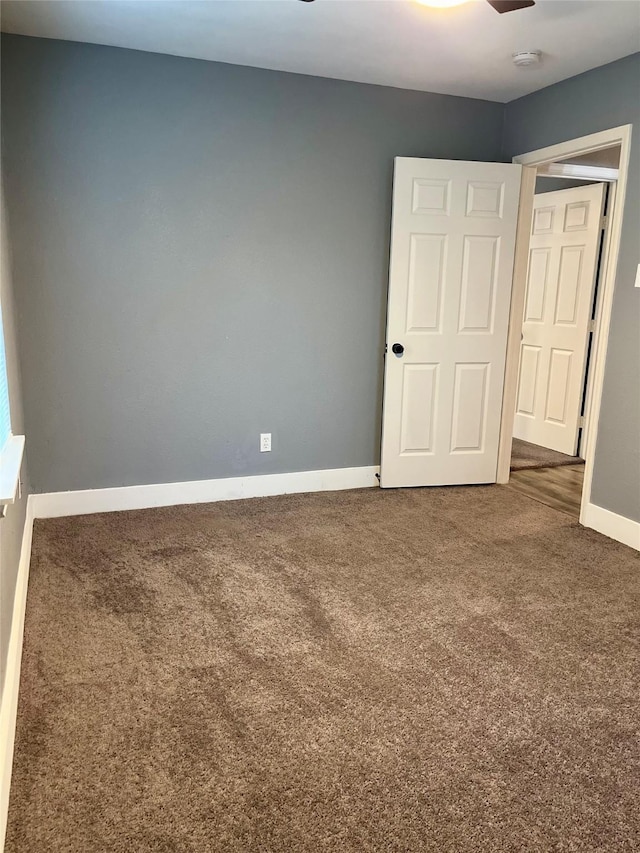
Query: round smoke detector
x=526, y=58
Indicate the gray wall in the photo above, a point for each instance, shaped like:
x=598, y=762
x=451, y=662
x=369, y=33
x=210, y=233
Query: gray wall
x=606, y=97
x=200, y=255
x=550, y=185
x=12, y=525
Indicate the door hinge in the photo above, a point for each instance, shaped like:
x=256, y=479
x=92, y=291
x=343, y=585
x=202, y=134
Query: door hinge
x=603, y=222
x=592, y=326
x=581, y=422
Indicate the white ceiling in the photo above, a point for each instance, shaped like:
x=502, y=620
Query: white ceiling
x=460, y=51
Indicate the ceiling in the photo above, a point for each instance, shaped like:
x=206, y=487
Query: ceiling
x=464, y=50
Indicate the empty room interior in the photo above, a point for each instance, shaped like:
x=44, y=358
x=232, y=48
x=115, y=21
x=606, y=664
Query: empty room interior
x=320, y=426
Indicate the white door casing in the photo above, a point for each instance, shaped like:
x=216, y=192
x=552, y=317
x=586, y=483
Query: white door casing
x=452, y=253
x=563, y=256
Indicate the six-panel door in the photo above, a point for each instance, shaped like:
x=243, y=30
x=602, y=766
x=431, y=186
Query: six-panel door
x=452, y=252
x=563, y=255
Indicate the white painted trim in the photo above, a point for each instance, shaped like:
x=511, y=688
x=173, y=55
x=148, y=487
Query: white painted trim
x=578, y=172
x=600, y=342
x=587, y=442
x=614, y=526
x=576, y=147
x=9, y=701
x=10, y=463
x=516, y=312
x=55, y=504
x=572, y=148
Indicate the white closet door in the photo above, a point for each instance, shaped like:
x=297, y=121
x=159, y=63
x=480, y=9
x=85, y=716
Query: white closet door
x=563, y=258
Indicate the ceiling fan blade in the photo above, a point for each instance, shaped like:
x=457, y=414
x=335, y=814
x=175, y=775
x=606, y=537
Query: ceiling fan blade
x=503, y=6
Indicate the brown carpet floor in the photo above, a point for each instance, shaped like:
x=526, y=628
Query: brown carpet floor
x=526, y=455
x=413, y=670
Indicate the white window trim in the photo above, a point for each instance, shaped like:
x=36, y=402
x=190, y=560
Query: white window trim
x=10, y=463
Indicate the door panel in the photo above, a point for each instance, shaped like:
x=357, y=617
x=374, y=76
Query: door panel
x=537, y=285
x=426, y=271
x=469, y=407
x=452, y=247
x=418, y=409
x=563, y=255
x=529, y=365
x=479, y=270
x=568, y=285
x=557, y=385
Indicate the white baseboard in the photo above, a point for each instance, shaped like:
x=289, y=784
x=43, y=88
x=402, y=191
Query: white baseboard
x=9, y=703
x=612, y=525
x=55, y=504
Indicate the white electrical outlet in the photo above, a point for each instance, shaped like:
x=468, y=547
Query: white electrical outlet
x=265, y=442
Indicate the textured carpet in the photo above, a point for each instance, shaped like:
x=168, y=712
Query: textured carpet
x=418, y=670
x=525, y=455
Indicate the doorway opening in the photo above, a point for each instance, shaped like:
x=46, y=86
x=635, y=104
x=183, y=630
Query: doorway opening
x=461, y=239
x=561, y=306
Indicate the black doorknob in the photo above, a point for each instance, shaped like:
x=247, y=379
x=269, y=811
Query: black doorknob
x=398, y=349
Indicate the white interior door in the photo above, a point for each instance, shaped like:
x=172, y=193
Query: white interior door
x=452, y=251
x=563, y=256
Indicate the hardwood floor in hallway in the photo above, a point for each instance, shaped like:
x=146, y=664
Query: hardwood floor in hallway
x=559, y=488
